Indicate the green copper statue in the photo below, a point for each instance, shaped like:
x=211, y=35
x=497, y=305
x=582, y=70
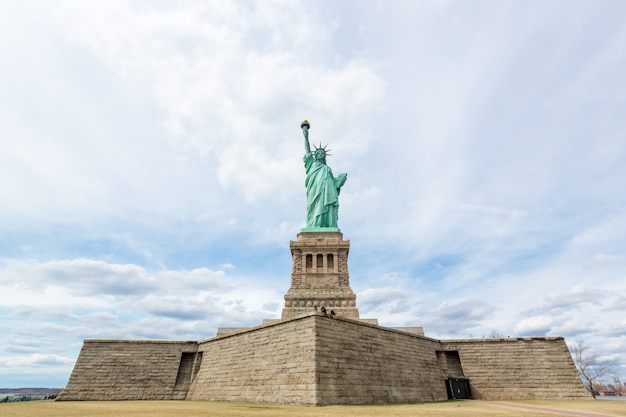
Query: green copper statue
x=322, y=188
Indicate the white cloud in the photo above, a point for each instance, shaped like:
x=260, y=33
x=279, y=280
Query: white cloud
x=223, y=95
x=620, y=303
x=377, y=296
x=575, y=298
x=220, y=94
x=388, y=304
x=575, y=327
x=614, y=327
x=534, y=326
x=95, y=299
x=38, y=359
x=604, y=260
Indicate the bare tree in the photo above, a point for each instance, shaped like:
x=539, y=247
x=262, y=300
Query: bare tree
x=619, y=387
x=496, y=335
x=588, y=364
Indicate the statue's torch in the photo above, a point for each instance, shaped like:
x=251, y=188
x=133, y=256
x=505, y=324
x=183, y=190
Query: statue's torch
x=305, y=129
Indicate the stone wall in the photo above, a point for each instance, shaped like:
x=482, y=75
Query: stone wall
x=322, y=360
x=319, y=360
x=364, y=364
x=519, y=368
x=271, y=364
x=131, y=370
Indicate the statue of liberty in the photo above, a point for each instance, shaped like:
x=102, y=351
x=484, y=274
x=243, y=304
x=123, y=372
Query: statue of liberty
x=322, y=188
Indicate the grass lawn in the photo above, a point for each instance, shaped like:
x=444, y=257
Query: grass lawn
x=221, y=409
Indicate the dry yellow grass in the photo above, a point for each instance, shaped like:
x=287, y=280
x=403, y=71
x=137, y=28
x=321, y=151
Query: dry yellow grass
x=208, y=408
x=607, y=407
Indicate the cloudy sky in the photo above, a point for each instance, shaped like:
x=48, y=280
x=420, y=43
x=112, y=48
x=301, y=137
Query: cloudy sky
x=151, y=171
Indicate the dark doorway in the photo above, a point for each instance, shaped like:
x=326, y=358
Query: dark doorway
x=458, y=388
x=185, y=368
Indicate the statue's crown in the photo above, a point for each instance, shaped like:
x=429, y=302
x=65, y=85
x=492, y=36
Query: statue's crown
x=319, y=149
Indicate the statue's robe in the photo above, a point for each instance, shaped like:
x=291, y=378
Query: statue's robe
x=322, y=192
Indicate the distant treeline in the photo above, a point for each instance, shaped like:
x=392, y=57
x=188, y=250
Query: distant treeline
x=10, y=395
x=30, y=391
x=14, y=398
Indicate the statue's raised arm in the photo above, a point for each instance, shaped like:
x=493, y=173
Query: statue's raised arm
x=322, y=188
x=305, y=131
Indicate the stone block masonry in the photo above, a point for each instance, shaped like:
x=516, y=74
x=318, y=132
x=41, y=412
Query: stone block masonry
x=519, y=368
x=131, y=370
x=271, y=364
x=322, y=360
x=360, y=363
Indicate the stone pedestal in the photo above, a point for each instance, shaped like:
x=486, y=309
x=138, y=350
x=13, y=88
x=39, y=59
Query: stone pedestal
x=319, y=276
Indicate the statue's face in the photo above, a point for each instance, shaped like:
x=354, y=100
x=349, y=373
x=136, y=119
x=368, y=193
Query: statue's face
x=320, y=155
